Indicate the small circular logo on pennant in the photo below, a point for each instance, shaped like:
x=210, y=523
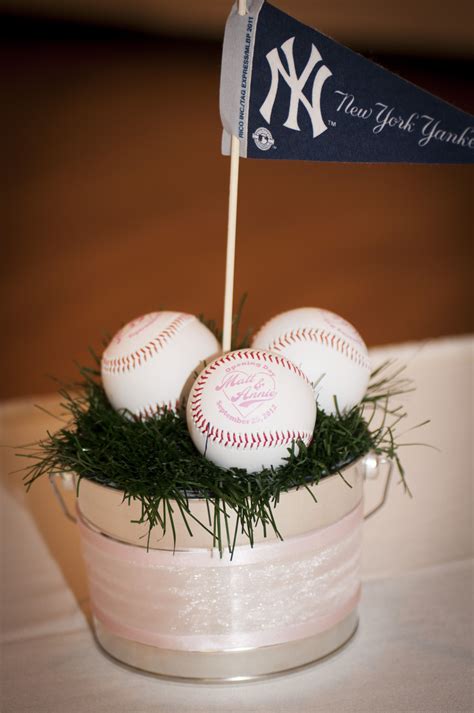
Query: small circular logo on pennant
x=263, y=139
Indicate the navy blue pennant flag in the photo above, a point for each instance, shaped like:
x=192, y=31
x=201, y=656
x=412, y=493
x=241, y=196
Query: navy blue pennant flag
x=289, y=92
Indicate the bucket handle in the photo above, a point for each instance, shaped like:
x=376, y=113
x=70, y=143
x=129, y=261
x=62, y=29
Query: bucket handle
x=68, y=484
x=372, y=463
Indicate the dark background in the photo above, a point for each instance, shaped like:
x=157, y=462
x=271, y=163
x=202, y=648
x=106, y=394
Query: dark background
x=115, y=195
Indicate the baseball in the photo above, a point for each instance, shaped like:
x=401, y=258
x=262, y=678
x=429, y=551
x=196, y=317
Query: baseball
x=153, y=360
x=247, y=407
x=326, y=348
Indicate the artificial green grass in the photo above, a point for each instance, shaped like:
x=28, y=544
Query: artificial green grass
x=155, y=461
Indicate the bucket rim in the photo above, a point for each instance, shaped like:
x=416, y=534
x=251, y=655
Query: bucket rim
x=199, y=498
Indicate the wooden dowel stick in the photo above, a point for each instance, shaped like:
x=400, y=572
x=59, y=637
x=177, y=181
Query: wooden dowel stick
x=231, y=229
x=231, y=235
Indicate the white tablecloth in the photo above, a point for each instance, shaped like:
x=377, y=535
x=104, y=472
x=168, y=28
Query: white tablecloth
x=413, y=650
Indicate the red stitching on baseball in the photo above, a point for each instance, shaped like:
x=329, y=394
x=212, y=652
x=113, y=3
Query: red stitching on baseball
x=230, y=438
x=154, y=409
x=322, y=337
x=142, y=354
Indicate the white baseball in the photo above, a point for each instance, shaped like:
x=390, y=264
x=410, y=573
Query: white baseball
x=326, y=348
x=247, y=407
x=153, y=360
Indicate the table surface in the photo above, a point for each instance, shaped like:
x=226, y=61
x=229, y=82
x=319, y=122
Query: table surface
x=413, y=649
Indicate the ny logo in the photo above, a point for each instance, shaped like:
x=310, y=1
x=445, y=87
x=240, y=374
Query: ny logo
x=297, y=85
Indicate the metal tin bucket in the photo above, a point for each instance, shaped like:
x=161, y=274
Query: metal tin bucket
x=188, y=612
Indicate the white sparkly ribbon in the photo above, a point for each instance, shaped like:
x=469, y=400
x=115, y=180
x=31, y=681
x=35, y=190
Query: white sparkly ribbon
x=194, y=600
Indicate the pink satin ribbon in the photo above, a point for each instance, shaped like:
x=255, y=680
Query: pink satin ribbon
x=194, y=600
x=235, y=641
